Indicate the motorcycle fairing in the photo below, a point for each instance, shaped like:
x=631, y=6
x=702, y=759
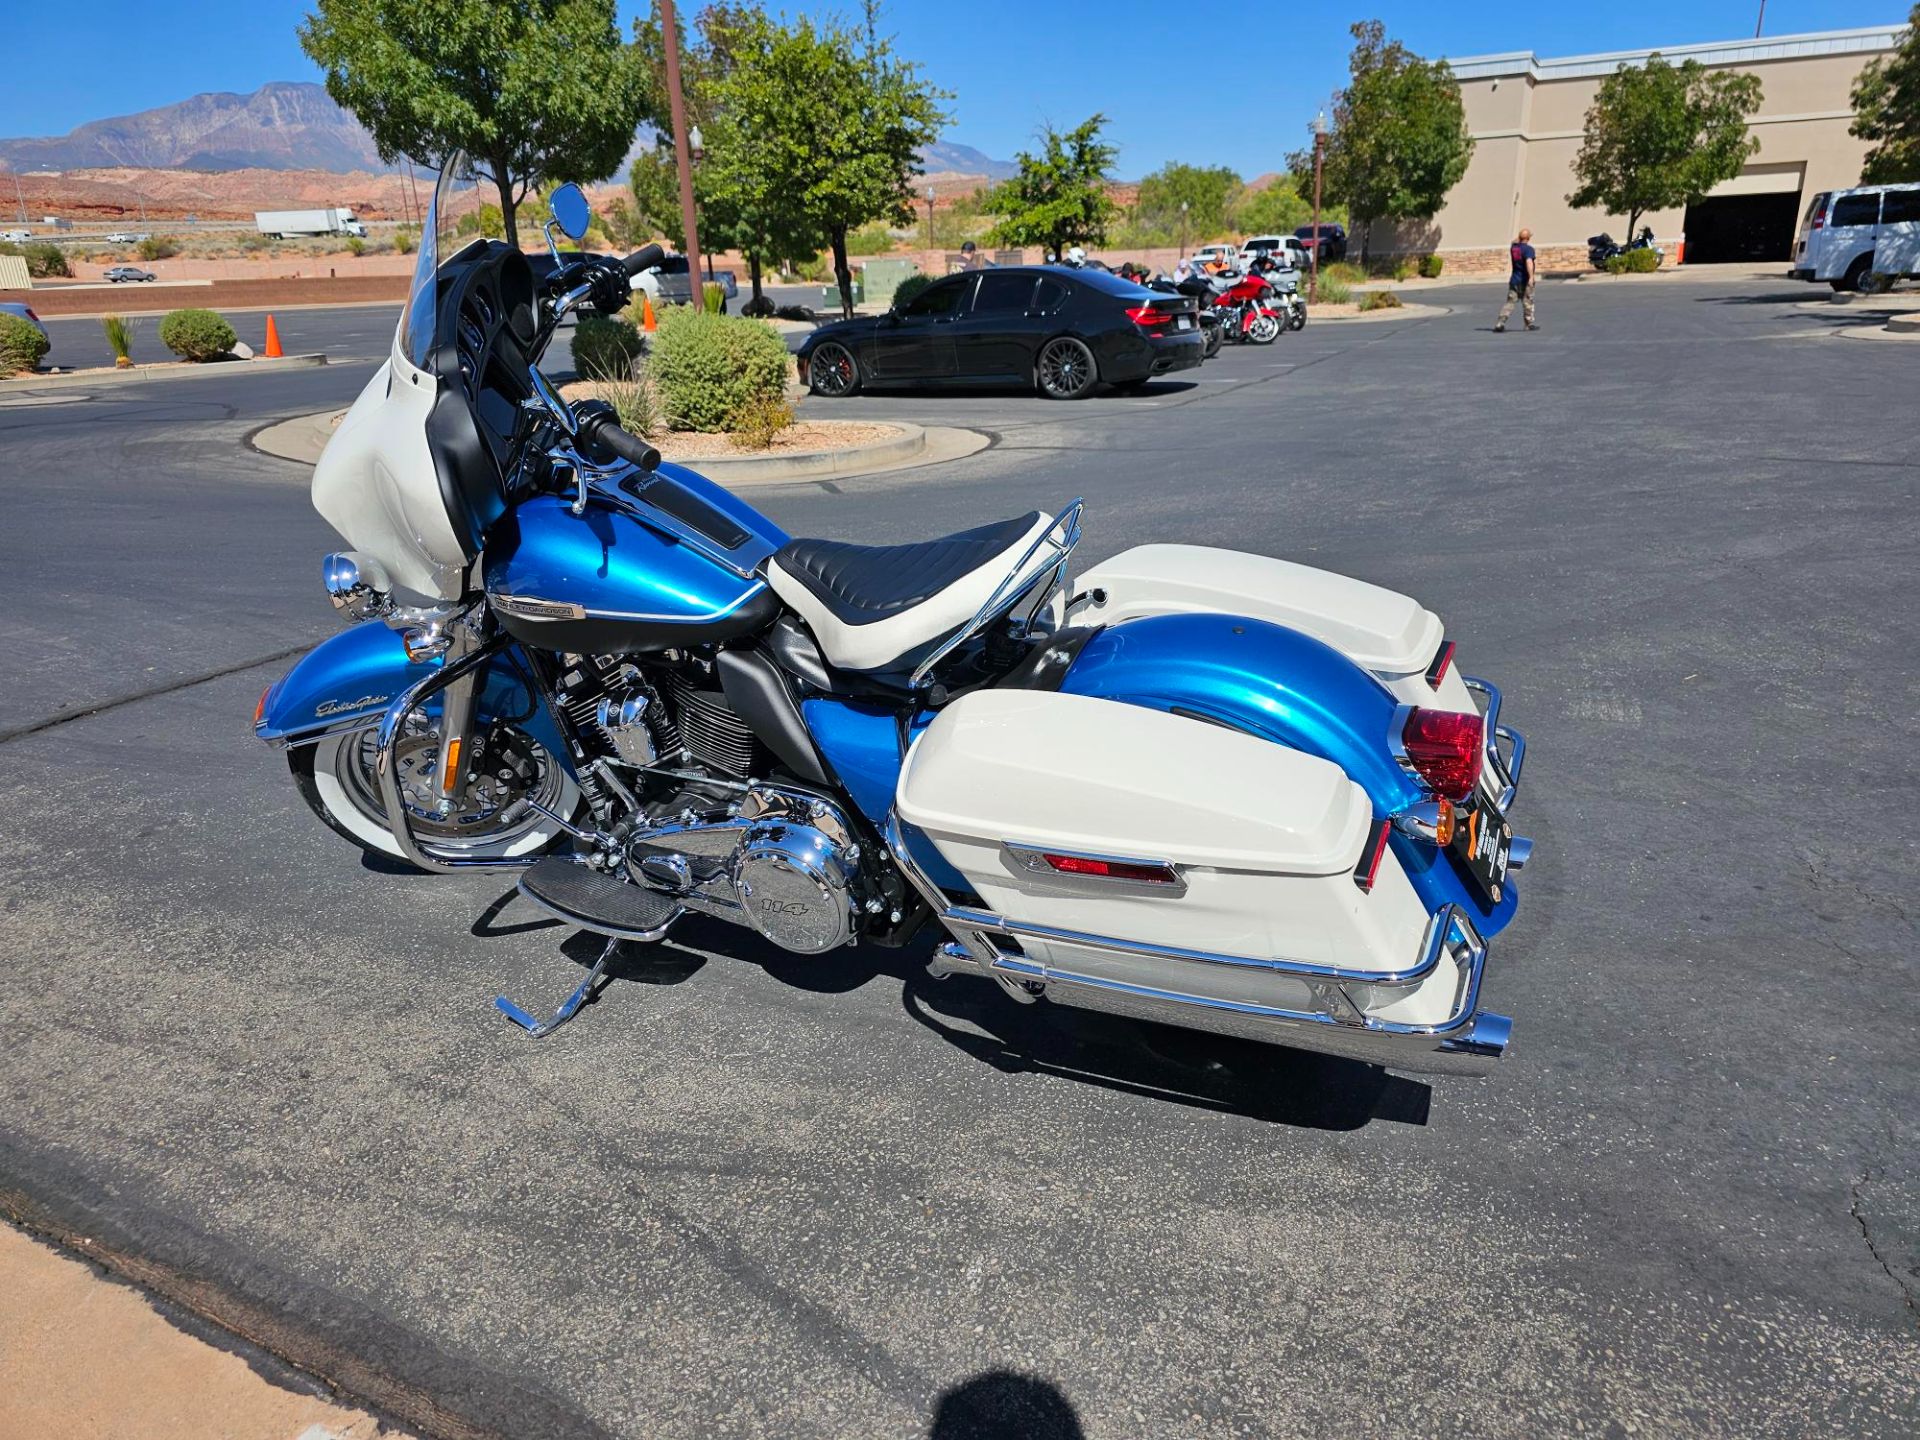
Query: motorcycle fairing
x=354, y=676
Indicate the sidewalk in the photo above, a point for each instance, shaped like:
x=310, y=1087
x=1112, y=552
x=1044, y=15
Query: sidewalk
x=83, y=1357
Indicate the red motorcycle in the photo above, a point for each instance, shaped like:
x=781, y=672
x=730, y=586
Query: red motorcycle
x=1249, y=309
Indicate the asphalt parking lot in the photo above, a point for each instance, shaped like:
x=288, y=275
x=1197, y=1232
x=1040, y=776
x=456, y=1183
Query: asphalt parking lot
x=750, y=1194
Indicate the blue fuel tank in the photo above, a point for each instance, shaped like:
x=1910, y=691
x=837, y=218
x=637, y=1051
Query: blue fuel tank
x=657, y=562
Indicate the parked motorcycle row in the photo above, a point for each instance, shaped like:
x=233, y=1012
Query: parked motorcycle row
x=1603, y=247
x=1254, y=306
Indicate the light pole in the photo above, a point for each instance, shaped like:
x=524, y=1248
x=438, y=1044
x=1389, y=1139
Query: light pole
x=1183, y=229
x=697, y=151
x=929, y=219
x=677, y=114
x=1319, y=149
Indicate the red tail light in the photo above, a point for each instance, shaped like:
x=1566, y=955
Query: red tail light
x=1147, y=317
x=1145, y=874
x=1446, y=749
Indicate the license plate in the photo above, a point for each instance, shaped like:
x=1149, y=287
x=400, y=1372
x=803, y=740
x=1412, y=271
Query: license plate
x=1482, y=841
x=1183, y=322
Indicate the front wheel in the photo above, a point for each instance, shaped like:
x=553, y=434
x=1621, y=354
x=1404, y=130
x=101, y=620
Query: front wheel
x=1264, y=328
x=832, y=371
x=335, y=776
x=1065, y=370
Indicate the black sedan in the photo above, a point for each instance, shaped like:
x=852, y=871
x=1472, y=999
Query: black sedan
x=1061, y=330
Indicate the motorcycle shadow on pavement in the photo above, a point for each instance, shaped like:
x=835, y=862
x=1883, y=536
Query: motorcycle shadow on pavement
x=1207, y=1072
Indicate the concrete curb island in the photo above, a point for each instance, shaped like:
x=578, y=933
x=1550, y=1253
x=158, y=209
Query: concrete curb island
x=108, y=375
x=302, y=438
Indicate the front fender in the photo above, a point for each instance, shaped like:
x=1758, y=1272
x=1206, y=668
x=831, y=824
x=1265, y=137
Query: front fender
x=348, y=681
x=1284, y=686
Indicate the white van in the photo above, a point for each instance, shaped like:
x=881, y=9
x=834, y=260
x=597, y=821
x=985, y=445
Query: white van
x=1848, y=236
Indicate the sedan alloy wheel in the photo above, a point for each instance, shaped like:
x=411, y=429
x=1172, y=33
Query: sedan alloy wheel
x=1066, y=370
x=832, y=370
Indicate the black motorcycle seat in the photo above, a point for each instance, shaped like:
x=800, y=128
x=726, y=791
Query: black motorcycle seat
x=869, y=606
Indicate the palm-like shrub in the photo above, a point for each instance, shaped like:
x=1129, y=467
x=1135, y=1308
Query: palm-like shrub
x=119, y=332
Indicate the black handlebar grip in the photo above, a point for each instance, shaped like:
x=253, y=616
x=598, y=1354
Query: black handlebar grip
x=601, y=431
x=645, y=258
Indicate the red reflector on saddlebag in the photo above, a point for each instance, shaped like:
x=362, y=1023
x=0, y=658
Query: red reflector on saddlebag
x=1146, y=873
x=1446, y=749
x=1371, y=854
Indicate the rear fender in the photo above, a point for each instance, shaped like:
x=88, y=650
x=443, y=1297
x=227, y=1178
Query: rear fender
x=347, y=682
x=1289, y=688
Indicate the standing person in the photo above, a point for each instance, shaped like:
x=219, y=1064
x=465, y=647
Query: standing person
x=971, y=258
x=1520, y=283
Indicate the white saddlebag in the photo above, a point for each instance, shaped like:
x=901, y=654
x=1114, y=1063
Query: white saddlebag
x=1264, y=841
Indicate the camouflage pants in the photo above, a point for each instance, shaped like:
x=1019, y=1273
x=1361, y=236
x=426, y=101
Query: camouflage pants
x=1521, y=295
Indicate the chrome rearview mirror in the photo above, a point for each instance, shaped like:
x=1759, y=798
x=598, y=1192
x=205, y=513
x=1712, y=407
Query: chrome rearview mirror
x=570, y=209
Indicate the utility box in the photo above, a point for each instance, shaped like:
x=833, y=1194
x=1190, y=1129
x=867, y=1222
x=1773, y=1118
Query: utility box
x=830, y=294
x=880, y=278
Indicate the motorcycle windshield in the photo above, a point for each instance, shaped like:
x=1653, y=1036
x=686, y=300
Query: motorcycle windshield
x=457, y=217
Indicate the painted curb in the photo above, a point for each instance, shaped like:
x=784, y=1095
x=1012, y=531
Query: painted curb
x=106, y=375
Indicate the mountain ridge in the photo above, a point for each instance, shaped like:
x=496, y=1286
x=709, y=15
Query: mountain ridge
x=283, y=125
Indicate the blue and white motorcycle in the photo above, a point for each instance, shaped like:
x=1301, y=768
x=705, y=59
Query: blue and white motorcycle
x=1205, y=788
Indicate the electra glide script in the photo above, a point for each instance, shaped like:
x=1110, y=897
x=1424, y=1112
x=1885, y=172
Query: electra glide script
x=1206, y=788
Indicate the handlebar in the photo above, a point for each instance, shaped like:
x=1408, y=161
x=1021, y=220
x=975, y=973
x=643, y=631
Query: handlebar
x=645, y=258
x=600, y=432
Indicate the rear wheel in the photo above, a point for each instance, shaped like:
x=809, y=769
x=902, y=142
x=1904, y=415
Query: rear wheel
x=1216, y=337
x=1065, y=370
x=832, y=371
x=336, y=778
x=1859, y=275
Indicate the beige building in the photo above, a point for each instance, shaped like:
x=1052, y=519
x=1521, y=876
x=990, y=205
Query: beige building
x=1528, y=116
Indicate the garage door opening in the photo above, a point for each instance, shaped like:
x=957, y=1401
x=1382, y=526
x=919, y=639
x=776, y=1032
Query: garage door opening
x=1724, y=228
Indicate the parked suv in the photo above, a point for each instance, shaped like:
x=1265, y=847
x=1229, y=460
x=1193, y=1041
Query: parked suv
x=1285, y=249
x=1849, y=236
x=1336, y=241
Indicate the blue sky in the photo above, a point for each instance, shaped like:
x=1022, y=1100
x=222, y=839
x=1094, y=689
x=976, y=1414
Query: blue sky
x=1174, y=89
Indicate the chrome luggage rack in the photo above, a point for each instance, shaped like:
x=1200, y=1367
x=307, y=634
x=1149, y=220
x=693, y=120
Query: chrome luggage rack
x=1505, y=766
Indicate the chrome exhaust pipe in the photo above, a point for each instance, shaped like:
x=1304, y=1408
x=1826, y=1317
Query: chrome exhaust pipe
x=1481, y=1045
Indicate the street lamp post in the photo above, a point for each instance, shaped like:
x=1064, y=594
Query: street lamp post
x=1183, y=229
x=677, y=113
x=697, y=150
x=929, y=219
x=1319, y=149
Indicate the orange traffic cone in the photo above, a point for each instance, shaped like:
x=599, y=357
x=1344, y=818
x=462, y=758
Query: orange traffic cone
x=272, y=352
x=647, y=322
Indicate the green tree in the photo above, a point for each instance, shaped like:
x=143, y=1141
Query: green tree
x=1886, y=103
x=1279, y=208
x=530, y=89
x=1399, y=140
x=1059, y=198
x=1661, y=135
x=817, y=132
x=1205, y=190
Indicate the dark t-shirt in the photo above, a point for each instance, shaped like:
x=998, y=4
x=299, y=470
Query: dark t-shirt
x=1521, y=255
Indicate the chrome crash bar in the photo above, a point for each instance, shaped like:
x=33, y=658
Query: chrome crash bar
x=1067, y=527
x=1505, y=766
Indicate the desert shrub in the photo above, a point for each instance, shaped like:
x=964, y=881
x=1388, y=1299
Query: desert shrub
x=1403, y=270
x=257, y=243
x=119, y=332
x=1379, y=300
x=818, y=271
x=405, y=241
x=707, y=369
x=43, y=258
x=356, y=246
x=1344, y=271
x=197, y=334
x=713, y=298
x=760, y=419
x=605, y=347
x=22, y=346
x=631, y=394
x=1640, y=262
x=1431, y=266
x=908, y=288
x=1616, y=264
x=874, y=239
x=1333, y=289
x=158, y=247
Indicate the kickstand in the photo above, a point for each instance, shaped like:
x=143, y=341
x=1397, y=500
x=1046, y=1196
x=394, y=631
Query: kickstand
x=538, y=1028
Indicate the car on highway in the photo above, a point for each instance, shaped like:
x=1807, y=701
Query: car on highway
x=1336, y=241
x=14, y=237
x=25, y=312
x=121, y=274
x=1060, y=330
x=127, y=237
